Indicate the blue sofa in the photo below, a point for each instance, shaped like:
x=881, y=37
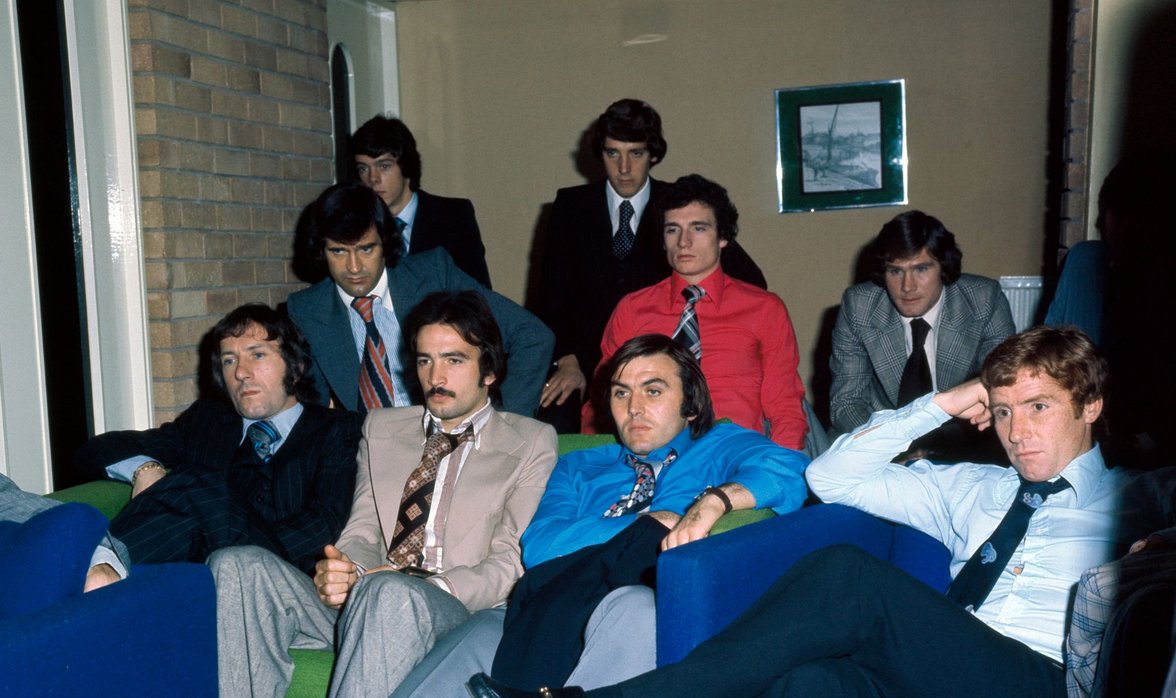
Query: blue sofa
x=153, y=633
x=703, y=586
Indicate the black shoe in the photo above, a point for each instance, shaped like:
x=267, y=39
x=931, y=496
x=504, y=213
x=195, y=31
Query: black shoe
x=482, y=686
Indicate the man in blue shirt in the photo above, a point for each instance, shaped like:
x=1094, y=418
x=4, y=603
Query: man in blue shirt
x=673, y=475
x=841, y=622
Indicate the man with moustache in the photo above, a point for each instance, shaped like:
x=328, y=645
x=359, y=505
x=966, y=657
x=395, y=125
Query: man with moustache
x=426, y=544
x=583, y=612
x=352, y=318
x=265, y=467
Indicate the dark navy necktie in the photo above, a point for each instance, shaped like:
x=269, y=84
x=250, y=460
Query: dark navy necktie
x=975, y=581
x=916, y=376
x=624, y=239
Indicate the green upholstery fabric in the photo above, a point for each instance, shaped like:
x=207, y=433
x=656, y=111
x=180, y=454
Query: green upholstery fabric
x=312, y=668
x=108, y=497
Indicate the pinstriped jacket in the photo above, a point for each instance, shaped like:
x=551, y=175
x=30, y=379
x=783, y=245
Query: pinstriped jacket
x=869, y=346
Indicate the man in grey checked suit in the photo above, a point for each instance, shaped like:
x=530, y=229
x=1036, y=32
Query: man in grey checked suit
x=380, y=597
x=110, y=563
x=916, y=274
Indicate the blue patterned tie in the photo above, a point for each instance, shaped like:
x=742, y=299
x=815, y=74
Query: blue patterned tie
x=263, y=436
x=624, y=239
x=687, y=333
x=975, y=581
x=642, y=493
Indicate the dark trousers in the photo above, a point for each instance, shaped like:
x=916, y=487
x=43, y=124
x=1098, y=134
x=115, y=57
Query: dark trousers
x=841, y=622
x=543, y=635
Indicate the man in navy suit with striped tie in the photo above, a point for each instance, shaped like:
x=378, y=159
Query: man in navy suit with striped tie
x=266, y=467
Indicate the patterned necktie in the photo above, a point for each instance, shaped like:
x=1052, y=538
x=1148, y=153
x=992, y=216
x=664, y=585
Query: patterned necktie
x=263, y=436
x=642, y=493
x=375, y=380
x=916, y=377
x=400, y=227
x=624, y=239
x=408, y=539
x=687, y=332
x=975, y=581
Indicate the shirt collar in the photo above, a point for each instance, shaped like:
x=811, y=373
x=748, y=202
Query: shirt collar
x=932, y=314
x=680, y=444
x=1084, y=473
x=478, y=420
x=283, y=421
x=379, y=291
x=639, y=200
x=408, y=213
x=713, y=285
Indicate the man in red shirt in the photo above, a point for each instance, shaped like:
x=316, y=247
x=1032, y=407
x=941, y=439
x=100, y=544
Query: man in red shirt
x=741, y=334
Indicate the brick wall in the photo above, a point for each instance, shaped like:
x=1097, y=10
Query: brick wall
x=1076, y=151
x=232, y=116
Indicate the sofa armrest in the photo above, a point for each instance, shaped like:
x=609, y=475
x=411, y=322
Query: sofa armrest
x=153, y=633
x=703, y=586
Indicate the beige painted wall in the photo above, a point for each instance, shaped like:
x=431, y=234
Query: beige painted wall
x=498, y=94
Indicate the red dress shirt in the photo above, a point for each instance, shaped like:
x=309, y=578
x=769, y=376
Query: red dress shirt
x=749, y=354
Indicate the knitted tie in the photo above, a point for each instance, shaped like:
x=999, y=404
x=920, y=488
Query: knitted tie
x=408, y=539
x=263, y=435
x=916, y=377
x=400, y=226
x=642, y=493
x=375, y=380
x=624, y=239
x=975, y=581
x=687, y=332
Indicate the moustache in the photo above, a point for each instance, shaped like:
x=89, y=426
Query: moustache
x=440, y=391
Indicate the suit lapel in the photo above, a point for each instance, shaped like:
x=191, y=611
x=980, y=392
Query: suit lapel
x=422, y=223
x=331, y=336
x=886, y=343
x=955, y=344
x=393, y=456
x=485, y=473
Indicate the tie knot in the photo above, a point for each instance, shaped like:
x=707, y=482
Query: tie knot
x=919, y=330
x=263, y=435
x=363, y=306
x=400, y=224
x=1034, y=494
x=692, y=293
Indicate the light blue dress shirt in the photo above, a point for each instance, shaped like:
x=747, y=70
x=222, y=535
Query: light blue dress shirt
x=962, y=504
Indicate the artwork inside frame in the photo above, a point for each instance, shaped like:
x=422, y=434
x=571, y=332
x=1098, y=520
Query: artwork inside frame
x=841, y=146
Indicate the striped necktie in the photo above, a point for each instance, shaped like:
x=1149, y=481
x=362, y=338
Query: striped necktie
x=375, y=380
x=687, y=333
x=263, y=436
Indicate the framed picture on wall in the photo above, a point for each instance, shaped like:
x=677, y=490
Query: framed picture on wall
x=841, y=146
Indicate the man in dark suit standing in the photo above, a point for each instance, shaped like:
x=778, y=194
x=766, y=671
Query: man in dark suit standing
x=918, y=325
x=270, y=469
x=387, y=161
x=602, y=243
x=353, y=318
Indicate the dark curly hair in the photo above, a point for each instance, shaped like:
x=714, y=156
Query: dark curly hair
x=344, y=213
x=630, y=121
x=905, y=235
x=277, y=327
x=694, y=188
x=381, y=135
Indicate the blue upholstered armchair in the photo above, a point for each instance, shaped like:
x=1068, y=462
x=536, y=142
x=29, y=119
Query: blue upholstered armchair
x=153, y=633
x=703, y=586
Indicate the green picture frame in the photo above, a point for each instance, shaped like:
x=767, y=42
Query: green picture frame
x=841, y=146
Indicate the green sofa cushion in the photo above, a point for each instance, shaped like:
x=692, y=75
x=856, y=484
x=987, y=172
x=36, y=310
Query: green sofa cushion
x=108, y=497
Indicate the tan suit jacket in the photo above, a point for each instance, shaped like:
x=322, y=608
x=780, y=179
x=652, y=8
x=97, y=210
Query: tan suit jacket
x=496, y=494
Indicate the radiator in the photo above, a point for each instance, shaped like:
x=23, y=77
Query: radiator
x=1024, y=294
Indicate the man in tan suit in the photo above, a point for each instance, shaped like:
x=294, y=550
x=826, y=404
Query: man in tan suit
x=442, y=495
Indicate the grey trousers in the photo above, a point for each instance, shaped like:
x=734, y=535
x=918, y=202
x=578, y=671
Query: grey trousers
x=265, y=606
x=620, y=642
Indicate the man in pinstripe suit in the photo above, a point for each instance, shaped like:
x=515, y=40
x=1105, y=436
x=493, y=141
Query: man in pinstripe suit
x=267, y=467
x=916, y=275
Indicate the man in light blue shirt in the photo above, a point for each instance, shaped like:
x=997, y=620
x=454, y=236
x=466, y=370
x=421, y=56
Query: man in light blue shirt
x=841, y=622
